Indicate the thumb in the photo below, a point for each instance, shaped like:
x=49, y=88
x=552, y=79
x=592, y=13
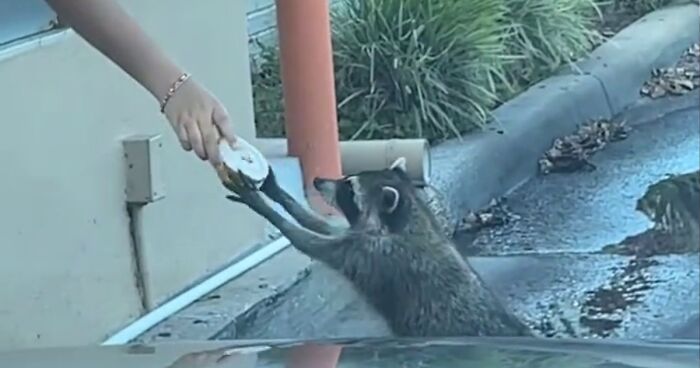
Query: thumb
x=223, y=123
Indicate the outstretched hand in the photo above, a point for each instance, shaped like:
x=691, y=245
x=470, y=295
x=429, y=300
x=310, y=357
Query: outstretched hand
x=199, y=120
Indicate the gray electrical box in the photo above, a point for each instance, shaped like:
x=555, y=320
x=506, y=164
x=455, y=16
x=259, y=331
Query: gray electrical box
x=143, y=155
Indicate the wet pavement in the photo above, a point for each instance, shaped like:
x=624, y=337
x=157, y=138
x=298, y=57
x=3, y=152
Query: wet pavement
x=584, y=211
x=546, y=264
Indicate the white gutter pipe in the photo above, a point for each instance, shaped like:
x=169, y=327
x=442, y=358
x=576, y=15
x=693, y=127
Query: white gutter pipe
x=157, y=315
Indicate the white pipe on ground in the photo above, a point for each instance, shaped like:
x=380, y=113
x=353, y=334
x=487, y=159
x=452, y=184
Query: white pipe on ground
x=358, y=156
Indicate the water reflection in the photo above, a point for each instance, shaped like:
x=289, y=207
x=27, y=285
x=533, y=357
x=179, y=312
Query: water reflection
x=603, y=310
x=490, y=352
x=504, y=353
x=673, y=205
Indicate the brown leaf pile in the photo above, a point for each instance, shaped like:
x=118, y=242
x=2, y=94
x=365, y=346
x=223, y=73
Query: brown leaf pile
x=572, y=152
x=676, y=80
x=496, y=214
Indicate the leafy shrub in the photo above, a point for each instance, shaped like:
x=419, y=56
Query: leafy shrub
x=639, y=6
x=545, y=34
x=617, y=14
x=268, y=103
x=433, y=68
x=416, y=68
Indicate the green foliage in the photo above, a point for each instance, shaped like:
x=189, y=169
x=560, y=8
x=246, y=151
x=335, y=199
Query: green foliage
x=416, y=68
x=639, y=7
x=435, y=68
x=267, y=92
x=546, y=34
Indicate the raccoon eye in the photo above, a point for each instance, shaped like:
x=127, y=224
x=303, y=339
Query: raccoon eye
x=345, y=200
x=346, y=190
x=347, y=184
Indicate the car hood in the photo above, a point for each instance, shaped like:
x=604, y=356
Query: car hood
x=366, y=353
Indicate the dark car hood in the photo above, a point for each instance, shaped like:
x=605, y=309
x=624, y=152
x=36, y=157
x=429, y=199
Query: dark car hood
x=366, y=353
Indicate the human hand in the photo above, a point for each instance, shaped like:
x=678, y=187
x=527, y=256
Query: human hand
x=199, y=120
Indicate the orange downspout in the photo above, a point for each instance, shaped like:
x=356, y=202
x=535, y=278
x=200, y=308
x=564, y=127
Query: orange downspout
x=310, y=118
x=309, y=90
x=313, y=356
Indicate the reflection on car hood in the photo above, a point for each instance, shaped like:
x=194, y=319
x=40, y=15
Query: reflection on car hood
x=493, y=352
x=505, y=352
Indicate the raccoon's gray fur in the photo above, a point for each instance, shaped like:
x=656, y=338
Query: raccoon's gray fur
x=393, y=251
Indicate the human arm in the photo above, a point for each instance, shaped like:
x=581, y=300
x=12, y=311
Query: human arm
x=196, y=116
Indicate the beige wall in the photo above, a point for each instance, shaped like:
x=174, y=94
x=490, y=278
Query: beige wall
x=66, y=271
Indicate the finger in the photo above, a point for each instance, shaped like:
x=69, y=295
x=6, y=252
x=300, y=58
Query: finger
x=221, y=119
x=195, y=139
x=210, y=137
x=182, y=136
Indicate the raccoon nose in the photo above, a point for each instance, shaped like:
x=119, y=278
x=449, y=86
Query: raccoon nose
x=318, y=183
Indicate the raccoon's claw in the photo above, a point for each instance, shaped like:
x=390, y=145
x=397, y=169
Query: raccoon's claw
x=234, y=198
x=246, y=182
x=236, y=182
x=269, y=185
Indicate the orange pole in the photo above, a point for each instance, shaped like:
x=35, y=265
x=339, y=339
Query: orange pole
x=309, y=88
x=313, y=356
x=311, y=122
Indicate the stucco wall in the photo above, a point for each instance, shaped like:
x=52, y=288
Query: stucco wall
x=66, y=266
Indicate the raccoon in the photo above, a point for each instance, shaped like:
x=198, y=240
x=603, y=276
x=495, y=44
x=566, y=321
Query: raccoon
x=392, y=250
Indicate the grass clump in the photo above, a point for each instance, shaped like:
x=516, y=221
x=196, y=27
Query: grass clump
x=620, y=13
x=436, y=68
x=638, y=7
x=268, y=102
x=546, y=34
x=416, y=68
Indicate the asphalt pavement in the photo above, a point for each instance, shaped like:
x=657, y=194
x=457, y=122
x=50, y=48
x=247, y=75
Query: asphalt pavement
x=545, y=264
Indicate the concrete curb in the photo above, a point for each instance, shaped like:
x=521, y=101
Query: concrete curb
x=623, y=63
x=469, y=173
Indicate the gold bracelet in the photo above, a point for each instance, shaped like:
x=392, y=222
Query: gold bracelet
x=173, y=88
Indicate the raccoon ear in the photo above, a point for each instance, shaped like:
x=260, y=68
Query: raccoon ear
x=390, y=199
x=399, y=163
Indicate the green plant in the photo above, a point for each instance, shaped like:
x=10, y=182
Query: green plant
x=639, y=6
x=268, y=103
x=434, y=68
x=545, y=34
x=417, y=68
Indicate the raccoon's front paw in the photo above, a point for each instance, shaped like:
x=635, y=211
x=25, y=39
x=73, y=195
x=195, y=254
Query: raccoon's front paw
x=270, y=185
x=248, y=196
x=238, y=183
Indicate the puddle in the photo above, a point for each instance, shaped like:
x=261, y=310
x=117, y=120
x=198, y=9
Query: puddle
x=673, y=205
x=604, y=309
x=630, y=290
